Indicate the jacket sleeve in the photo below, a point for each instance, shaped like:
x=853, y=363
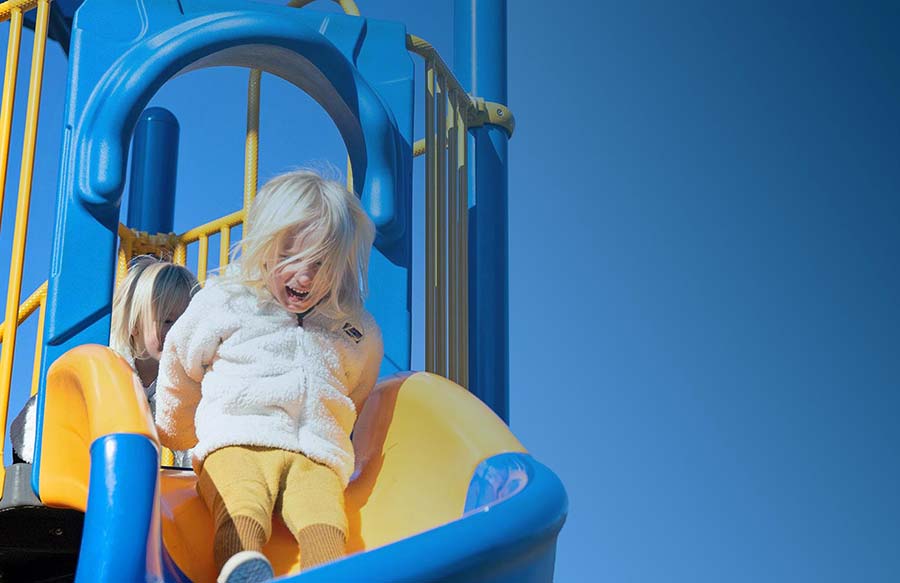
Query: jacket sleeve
x=22, y=431
x=372, y=347
x=189, y=350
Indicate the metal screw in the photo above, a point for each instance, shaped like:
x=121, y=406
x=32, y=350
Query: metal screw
x=56, y=532
x=499, y=112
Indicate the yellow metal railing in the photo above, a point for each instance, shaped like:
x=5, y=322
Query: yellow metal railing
x=251, y=144
x=174, y=247
x=447, y=122
x=133, y=243
x=450, y=113
x=200, y=235
x=13, y=12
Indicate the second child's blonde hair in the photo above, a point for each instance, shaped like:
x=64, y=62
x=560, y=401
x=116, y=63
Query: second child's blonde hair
x=153, y=291
x=337, y=233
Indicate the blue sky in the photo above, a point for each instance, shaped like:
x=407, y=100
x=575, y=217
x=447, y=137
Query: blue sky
x=704, y=315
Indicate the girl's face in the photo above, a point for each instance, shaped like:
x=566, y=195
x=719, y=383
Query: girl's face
x=155, y=337
x=292, y=284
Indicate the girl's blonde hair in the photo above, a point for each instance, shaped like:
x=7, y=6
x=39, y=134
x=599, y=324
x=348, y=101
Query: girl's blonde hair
x=337, y=233
x=153, y=291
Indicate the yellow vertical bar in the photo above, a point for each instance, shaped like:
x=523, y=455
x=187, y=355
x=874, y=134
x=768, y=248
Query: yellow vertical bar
x=9, y=96
x=179, y=257
x=167, y=458
x=202, y=257
x=349, y=7
x=349, y=175
x=121, y=263
x=251, y=145
x=441, y=221
x=430, y=221
x=22, y=207
x=453, y=245
x=126, y=252
x=224, y=245
x=38, y=344
x=463, y=185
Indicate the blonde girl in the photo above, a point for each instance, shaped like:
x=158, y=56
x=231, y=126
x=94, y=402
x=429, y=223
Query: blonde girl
x=266, y=371
x=146, y=303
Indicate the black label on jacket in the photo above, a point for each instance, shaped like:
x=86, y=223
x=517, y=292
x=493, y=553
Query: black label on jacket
x=352, y=332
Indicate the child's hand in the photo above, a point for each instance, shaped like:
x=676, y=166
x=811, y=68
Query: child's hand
x=361, y=458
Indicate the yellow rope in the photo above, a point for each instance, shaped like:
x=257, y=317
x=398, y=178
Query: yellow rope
x=251, y=146
x=32, y=303
x=419, y=45
x=38, y=344
x=419, y=147
x=35, y=301
x=349, y=174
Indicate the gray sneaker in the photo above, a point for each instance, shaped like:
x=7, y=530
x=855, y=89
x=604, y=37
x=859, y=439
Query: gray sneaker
x=246, y=567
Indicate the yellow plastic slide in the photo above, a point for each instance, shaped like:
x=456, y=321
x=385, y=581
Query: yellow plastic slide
x=418, y=442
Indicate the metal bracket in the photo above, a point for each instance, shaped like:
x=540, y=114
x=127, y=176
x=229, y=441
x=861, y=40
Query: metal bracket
x=491, y=113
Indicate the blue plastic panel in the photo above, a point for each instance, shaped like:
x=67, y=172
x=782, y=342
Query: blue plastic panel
x=496, y=479
x=511, y=539
x=121, y=537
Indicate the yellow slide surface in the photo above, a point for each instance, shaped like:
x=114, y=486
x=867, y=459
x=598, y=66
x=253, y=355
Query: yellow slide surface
x=91, y=392
x=418, y=441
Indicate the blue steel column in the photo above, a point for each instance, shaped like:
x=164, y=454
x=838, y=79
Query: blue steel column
x=479, y=62
x=154, y=165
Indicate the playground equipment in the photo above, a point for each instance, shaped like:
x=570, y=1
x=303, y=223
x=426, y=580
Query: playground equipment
x=445, y=492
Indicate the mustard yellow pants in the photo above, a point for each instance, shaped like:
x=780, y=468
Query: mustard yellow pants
x=244, y=485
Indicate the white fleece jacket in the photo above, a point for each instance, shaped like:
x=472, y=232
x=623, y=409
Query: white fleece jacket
x=239, y=370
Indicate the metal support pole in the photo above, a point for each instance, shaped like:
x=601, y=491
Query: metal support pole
x=479, y=62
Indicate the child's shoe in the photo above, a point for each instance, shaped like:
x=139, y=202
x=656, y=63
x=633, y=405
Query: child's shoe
x=246, y=567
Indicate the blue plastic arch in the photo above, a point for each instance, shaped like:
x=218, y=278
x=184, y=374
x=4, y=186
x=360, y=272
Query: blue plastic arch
x=291, y=50
x=107, y=96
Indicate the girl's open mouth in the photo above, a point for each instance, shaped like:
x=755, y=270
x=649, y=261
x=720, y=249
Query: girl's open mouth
x=296, y=294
